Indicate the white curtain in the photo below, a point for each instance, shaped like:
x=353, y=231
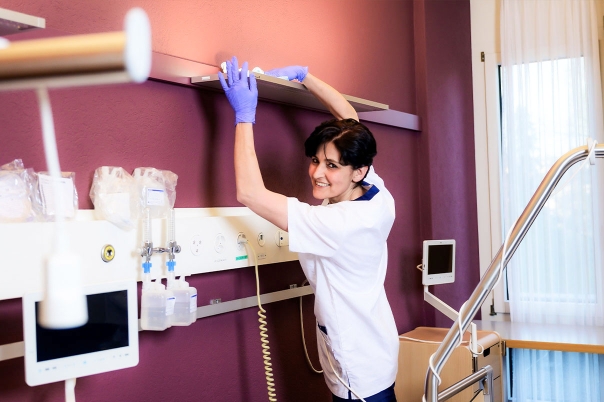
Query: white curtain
x=551, y=103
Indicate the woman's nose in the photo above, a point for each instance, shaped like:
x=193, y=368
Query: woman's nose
x=318, y=171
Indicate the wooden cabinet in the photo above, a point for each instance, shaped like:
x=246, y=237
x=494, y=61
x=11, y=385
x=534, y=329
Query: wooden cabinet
x=418, y=345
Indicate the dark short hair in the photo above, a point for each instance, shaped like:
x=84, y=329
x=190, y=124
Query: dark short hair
x=352, y=139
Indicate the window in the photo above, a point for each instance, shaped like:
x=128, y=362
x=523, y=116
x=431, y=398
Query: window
x=514, y=169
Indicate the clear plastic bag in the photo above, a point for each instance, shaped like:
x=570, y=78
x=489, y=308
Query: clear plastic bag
x=16, y=193
x=156, y=190
x=115, y=196
x=45, y=201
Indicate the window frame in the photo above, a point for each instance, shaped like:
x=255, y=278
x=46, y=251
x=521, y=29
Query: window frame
x=488, y=183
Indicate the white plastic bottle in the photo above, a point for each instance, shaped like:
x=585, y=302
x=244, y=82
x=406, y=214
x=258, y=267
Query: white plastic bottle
x=157, y=306
x=185, y=308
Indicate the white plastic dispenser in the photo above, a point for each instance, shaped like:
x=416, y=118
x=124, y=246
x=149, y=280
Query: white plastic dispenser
x=157, y=303
x=185, y=308
x=157, y=306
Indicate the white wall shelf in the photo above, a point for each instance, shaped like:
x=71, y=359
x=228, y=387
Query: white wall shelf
x=190, y=73
x=13, y=22
x=293, y=93
x=288, y=92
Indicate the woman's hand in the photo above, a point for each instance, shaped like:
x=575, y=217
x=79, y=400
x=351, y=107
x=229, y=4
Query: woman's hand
x=242, y=96
x=291, y=73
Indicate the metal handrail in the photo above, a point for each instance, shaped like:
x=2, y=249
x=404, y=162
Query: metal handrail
x=487, y=282
x=484, y=375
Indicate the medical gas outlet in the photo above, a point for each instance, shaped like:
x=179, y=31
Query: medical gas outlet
x=108, y=253
x=159, y=302
x=261, y=239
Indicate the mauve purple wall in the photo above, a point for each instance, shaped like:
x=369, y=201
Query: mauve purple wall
x=379, y=50
x=447, y=179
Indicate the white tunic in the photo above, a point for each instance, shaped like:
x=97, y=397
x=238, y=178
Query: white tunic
x=342, y=250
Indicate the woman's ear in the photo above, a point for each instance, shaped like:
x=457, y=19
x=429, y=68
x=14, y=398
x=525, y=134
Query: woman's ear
x=359, y=174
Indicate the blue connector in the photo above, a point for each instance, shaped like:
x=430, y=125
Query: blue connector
x=147, y=267
x=171, y=265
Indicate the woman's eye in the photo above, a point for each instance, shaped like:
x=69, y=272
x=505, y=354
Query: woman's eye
x=332, y=165
x=314, y=160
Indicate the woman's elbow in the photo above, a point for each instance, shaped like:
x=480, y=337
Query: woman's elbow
x=246, y=198
x=242, y=197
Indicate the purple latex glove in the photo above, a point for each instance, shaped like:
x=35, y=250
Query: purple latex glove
x=242, y=96
x=291, y=72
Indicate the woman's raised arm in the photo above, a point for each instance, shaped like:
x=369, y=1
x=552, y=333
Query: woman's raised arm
x=329, y=96
x=251, y=192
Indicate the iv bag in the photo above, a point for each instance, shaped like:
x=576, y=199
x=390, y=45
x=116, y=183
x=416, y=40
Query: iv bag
x=156, y=190
x=16, y=193
x=115, y=196
x=45, y=200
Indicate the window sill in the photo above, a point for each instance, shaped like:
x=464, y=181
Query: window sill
x=563, y=338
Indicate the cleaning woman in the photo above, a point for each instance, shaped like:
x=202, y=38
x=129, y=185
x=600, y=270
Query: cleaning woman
x=341, y=243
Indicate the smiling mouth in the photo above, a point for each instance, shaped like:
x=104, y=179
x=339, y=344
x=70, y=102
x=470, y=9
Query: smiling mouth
x=321, y=184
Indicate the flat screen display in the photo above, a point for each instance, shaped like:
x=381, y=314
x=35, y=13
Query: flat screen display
x=441, y=259
x=107, y=328
x=438, y=262
x=107, y=342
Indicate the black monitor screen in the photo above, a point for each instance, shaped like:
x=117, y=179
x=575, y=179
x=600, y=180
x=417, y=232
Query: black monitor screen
x=440, y=259
x=107, y=328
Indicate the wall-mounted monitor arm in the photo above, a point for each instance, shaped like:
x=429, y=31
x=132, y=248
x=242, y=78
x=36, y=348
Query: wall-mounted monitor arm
x=452, y=314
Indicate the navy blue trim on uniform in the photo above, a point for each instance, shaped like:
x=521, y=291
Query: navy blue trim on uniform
x=373, y=190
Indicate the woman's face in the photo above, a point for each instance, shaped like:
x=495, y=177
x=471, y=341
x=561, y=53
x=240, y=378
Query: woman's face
x=332, y=180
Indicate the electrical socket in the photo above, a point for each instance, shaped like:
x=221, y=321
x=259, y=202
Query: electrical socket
x=241, y=239
x=282, y=238
x=196, y=245
x=219, y=243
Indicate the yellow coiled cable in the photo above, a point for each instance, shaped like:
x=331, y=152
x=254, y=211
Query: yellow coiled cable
x=266, y=353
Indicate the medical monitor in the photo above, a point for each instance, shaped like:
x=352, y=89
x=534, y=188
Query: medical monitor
x=438, y=262
x=107, y=342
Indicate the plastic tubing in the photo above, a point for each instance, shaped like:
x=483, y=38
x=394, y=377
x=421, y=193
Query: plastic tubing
x=171, y=226
x=303, y=339
x=147, y=246
x=147, y=227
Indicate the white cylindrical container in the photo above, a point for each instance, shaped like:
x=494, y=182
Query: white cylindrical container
x=157, y=307
x=185, y=308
